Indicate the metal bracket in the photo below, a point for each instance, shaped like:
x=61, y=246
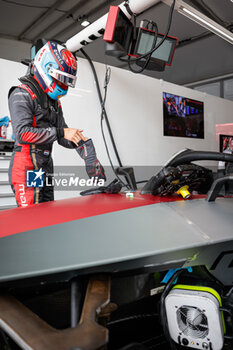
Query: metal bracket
x=32, y=333
x=216, y=187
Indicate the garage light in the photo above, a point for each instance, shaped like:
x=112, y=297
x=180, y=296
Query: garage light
x=85, y=23
x=206, y=22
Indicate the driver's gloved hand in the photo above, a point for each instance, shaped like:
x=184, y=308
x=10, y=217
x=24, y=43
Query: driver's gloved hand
x=114, y=187
x=86, y=150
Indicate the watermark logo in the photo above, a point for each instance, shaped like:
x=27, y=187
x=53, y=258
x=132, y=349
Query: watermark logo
x=73, y=182
x=35, y=178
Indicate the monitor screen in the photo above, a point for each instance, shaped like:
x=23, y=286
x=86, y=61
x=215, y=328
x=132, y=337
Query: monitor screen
x=226, y=143
x=145, y=41
x=183, y=117
x=123, y=30
x=118, y=28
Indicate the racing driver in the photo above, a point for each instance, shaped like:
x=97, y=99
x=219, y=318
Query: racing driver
x=37, y=122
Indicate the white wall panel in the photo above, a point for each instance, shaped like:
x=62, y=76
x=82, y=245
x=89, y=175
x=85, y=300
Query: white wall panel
x=135, y=110
x=9, y=73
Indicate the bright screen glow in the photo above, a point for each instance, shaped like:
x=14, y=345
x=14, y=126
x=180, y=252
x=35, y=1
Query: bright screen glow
x=183, y=116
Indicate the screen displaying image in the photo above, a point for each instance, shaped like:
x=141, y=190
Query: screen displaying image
x=226, y=143
x=183, y=117
x=123, y=30
x=162, y=53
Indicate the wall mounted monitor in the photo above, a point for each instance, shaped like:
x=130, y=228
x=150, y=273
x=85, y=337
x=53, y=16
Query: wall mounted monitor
x=226, y=143
x=182, y=116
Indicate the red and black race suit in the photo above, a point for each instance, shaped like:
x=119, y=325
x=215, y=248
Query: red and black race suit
x=35, y=129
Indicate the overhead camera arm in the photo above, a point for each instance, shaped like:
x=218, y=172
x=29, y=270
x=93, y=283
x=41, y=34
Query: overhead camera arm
x=96, y=29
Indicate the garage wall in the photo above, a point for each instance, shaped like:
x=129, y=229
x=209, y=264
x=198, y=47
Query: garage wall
x=135, y=111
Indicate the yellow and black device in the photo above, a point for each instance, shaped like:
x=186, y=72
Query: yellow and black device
x=184, y=192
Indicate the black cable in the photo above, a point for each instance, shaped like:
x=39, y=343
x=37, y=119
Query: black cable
x=158, y=345
x=160, y=43
x=107, y=77
x=155, y=29
x=152, y=347
x=106, y=82
x=101, y=102
x=153, y=338
x=229, y=292
x=104, y=116
x=154, y=26
x=163, y=310
x=164, y=38
x=193, y=38
x=133, y=317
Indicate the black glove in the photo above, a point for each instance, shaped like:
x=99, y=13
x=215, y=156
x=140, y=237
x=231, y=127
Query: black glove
x=86, y=150
x=113, y=188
